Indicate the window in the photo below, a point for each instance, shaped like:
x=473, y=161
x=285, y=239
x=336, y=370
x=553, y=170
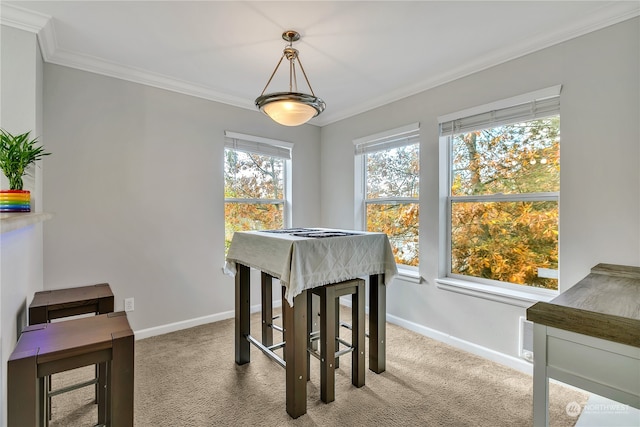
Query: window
x=387, y=187
x=256, y=187
x=503, y=191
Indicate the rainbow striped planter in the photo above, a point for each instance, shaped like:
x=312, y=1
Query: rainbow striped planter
x=15, y=201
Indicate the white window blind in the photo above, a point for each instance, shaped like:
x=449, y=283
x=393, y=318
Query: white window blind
x=536, y=105
x=258, y=145
x=393, y=138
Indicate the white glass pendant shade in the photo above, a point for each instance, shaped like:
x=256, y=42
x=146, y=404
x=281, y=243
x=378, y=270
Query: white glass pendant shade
x=289, y=108
x=289, y=113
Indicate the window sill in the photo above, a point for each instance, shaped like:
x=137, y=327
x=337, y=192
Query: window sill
x=15, y=221
x=409, y=275
x=493, y=293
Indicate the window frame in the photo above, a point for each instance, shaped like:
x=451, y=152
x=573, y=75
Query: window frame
x=364, y=145
x=477, y=286
x=265, y=147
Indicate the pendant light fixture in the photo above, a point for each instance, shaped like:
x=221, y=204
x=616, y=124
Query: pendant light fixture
x=291, y=108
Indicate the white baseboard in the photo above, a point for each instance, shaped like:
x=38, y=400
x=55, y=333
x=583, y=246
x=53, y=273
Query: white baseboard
x=185, y=324
x=487, y=353
x=495, y=356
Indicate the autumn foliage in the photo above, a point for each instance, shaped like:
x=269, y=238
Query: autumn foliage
x=254, y=193
x=392, y=189
x=503, y=201
x=504, y=207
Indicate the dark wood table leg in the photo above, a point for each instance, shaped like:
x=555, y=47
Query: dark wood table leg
x=105, y=305
x=101, y=374
x=121, y=387
x=242, y=315
x=38, y=315
x=267, y=308
x=295, y=336
x=377, y=323
x=283, y=300
x=337, y=329
x=103, y=399
x=357, y=336
x=328, y=344
x=315, y=319
x=44, y=410
x=309, y=330
x=26, y=395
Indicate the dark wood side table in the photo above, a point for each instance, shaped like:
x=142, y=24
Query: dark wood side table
x=48, y=348
x=58, y=303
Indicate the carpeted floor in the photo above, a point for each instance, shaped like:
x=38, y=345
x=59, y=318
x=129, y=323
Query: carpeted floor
x=189, y=378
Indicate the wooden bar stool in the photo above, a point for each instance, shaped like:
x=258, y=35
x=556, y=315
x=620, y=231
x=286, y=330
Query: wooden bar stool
x=48, y=348
x=267, y=312
x=59, y=303
x=267, y=315
x=329, y=339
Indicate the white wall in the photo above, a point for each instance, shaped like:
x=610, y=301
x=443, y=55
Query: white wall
x=136, y=185
x=600, y=172
x=20, y=250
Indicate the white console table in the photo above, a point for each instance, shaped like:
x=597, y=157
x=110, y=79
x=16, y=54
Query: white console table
x=589, y=337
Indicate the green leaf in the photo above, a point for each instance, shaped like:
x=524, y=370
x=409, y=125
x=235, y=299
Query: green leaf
x=17, y=153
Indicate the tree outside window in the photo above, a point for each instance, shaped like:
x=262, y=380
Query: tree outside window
x=503, y=200
x=254, y=192
x=390, y=171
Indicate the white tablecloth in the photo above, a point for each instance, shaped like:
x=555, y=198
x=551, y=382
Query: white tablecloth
x=302, y=262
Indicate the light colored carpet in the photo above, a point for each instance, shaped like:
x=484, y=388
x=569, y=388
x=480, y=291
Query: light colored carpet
x=189, y=378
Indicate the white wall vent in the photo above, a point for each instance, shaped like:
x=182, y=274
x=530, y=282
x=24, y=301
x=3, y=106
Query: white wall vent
x=525, y=344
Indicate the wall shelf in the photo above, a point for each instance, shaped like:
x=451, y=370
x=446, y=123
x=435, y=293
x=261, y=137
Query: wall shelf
x=10, y=221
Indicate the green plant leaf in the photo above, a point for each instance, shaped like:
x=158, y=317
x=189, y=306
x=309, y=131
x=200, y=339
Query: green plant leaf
x=17, y=153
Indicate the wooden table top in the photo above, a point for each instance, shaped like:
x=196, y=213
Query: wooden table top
x=69, y=295
x=52, y=341
x=605, y=304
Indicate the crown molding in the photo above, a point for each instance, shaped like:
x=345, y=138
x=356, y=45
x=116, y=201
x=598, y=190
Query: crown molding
x=610, y=14
x=43, y=25
x=135, y=75
x=23, y=19
x=33, y=22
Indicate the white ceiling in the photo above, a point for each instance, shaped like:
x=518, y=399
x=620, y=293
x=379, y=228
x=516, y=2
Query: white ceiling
x=357, y=55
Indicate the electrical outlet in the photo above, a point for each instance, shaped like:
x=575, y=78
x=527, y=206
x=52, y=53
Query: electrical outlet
x=128, y=304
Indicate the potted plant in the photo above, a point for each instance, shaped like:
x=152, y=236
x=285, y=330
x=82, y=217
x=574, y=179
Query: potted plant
x=17, y=153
